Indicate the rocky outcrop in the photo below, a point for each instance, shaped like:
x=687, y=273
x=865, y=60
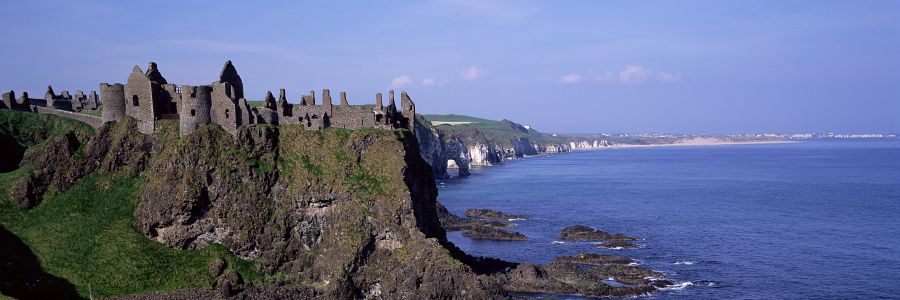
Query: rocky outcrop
x=560, y=277
x=72, y=155
x=492, y=214
x=352, y=211
x=595, y=259
x=584, y=233
x=493, y=233
x=432, y=147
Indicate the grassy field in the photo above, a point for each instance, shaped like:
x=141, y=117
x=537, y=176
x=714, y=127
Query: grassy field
x=456, y=119
x=86, y=235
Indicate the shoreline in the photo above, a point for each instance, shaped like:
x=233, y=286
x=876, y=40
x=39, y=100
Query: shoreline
x=628, y=146
x=625, y=146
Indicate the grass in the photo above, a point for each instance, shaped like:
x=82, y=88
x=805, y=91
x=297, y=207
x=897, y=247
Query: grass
x=30, y=129
x=452, y=118
x=96, y=113
x=256, y=103
x=86, y=235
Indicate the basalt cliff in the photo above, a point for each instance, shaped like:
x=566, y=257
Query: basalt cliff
x=476, y=142
x=333, y=213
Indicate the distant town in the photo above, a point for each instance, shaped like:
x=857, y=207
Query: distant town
x=785, y=136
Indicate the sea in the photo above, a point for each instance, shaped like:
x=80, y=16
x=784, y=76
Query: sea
x=805, y=220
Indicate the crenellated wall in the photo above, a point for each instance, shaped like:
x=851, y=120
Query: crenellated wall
x=148, y=97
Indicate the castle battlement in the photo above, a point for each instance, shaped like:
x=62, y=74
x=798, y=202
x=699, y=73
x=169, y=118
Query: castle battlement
x=148, y=97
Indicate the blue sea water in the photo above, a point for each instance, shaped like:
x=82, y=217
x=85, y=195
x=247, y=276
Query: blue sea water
x=807, y=220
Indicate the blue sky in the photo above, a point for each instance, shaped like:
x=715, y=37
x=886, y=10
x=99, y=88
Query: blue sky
x=567, y=66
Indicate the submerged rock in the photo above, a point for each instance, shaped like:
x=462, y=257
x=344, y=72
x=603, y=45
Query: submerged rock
x=492, y=233
x=566, y=278
x=616, y=244
x=595, y=259
x=491, y=214
x=584, y=233
x=477, y=229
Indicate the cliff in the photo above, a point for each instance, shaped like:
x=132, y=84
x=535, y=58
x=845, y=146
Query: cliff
x=475, y=142
x=331, y=214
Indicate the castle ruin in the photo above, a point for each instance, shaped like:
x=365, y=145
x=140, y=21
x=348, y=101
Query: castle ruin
x=148, y=98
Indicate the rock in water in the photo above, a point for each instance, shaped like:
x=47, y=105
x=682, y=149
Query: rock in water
x=491, y=214
x=584, y=233
x=616, y=244
x=595, y=259
x=491, y=233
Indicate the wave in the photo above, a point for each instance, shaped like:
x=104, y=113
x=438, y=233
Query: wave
x=677, y=286
x=558, y=242
x=516, y=219
x=684, y=262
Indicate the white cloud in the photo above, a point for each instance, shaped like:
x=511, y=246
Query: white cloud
x=472, y=73
x=401, y=81
x=431, y=82
x=634, y=74
x=571, y=78
x=630, y=74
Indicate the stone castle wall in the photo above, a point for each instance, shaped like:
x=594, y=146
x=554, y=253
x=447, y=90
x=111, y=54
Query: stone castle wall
x=148, y=97
x=195, y=105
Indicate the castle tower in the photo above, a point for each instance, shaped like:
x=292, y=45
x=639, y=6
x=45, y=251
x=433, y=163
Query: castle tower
x=311, y=100
x=93, y=101
x=49, y=95
x=344, y=102
x=113, y=97
x=378, y=104
x=284, y=108
x=139, y=100
x=326, y=100
x=9, y=99
x=230, y=75
x=196, y=102
x=392, y=106
x=154, y=75
x=270, y=100
x=408, y=110
x=23, y=102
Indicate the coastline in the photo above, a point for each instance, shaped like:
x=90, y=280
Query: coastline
x=622, y=146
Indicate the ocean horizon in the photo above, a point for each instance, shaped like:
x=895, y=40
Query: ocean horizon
x=807, y=220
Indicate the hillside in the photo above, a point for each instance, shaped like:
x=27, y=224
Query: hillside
x=111, y=212
x=460, y=142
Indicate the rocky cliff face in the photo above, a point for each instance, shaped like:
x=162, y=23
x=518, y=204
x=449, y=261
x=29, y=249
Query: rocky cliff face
x=335, y=213
x=351, y=211
x=463, y=148
x=432, y=147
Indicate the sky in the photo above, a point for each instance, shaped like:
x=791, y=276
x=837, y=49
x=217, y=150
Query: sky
x=558, y=66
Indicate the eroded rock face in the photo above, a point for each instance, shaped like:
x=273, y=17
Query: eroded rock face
x=70, y=156
x=352, y=211
x=431, y=146
x=568, y=278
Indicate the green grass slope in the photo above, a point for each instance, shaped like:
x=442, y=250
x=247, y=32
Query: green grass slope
x=86, y=235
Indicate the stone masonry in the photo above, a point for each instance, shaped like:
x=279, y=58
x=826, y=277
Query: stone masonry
x=148, y=97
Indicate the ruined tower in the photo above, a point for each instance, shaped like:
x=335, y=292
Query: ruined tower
x=408, y=110
x=139, y=92
x=195, y=102
x=9, y=99
x=113, y=97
